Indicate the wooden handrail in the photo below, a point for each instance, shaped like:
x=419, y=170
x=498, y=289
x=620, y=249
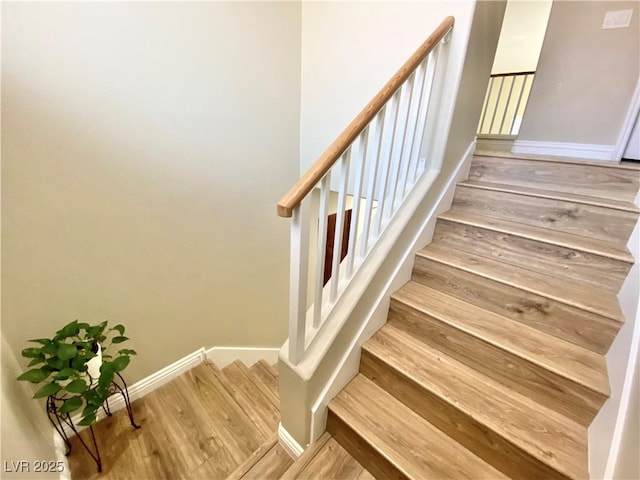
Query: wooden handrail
x=511, y=74
x=308, y=181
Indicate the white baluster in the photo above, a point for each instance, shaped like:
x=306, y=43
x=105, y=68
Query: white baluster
x=325, y=190
x=298, y=281
x=522, y=89
x=390, y=121
x=506, y=107
x=429, y=116
x=495, y=108
x=337, y=243
x=398, y=181
x=361, y=142
x=410, y=129
x=372, y=179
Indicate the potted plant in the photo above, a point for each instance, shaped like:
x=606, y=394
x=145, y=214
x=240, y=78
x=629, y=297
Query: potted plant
x=77, y=366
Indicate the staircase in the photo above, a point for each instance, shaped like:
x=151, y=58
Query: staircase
x=492, y=362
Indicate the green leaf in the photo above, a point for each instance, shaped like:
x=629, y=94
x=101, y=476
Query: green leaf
x=67, y=351
x=69, y=330
x=119, y=328
x=56, y=363
x=36, y=360
x=106, y=375
x=43, y=341
x=34, y=376
x=79, y=364
x=48, y=389
x=71, y=405
x=31, y=352
x=83, y=326
x=77, y=386
x=119, y=339
x=89, y=410
x=50, y=349
x=127, y=351
x=120, y=363
x=65, y=373
x=89, y=420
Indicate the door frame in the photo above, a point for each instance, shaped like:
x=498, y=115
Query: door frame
x=627, y=126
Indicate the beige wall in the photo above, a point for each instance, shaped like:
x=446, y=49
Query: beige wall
x=349, y=51
x=26, y=432
x=145, y=146
x=521, y=36
x=585, y=77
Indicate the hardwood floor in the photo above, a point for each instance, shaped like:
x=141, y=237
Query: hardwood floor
x=208, y=424
x=202, y=425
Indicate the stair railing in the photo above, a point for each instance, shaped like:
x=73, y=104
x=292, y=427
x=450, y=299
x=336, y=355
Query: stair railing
x=372, y=166
x=504, y=103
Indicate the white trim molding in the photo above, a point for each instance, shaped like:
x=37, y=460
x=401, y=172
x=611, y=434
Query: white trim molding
x=288, y=443
x=586, y=151
x=223, y=356
x=147, y=385
x=627, y=126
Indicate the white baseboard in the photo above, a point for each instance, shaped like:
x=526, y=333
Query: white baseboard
x=587, y=151
x=376, y=317
x=147, y=385
x=223, y=356
x=288, y=443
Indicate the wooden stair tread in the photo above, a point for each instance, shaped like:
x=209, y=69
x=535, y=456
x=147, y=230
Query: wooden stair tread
x=309, y=453
x=241, y=434
x=411, y=444
x=568, y=160
x=272, y=465
x=573, y=177
x=331, y=461
x=555, y=237
x=267, y=383
x=563, y=358
x=256, y=404
x=552, y=194
x=598, y=302
x=255, y=457
x=543, y=433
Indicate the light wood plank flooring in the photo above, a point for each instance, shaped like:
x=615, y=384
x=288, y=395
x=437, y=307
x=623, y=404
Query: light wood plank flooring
x=202, y=425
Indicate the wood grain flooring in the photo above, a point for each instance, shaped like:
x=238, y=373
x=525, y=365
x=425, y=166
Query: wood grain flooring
x=565, y=216
x=492, y=360
x=577, y=178
x=200, y=425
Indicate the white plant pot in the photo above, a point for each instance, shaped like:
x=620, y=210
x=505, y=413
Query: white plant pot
x=93, y=370
x=93, y=367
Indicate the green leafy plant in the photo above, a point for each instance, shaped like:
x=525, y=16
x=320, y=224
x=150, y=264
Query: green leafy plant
x=60, y=365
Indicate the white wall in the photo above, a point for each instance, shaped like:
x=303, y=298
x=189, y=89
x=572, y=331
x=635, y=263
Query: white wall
x=522, y=35
x=349, y=51
x=145, y=145
x=26, y=432
x=586, y=76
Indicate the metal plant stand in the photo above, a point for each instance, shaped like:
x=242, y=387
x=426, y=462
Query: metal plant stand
x=60, y=420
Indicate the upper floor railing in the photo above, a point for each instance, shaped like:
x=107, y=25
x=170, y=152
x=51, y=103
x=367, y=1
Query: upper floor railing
x=362, y=178
x=505, y=102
